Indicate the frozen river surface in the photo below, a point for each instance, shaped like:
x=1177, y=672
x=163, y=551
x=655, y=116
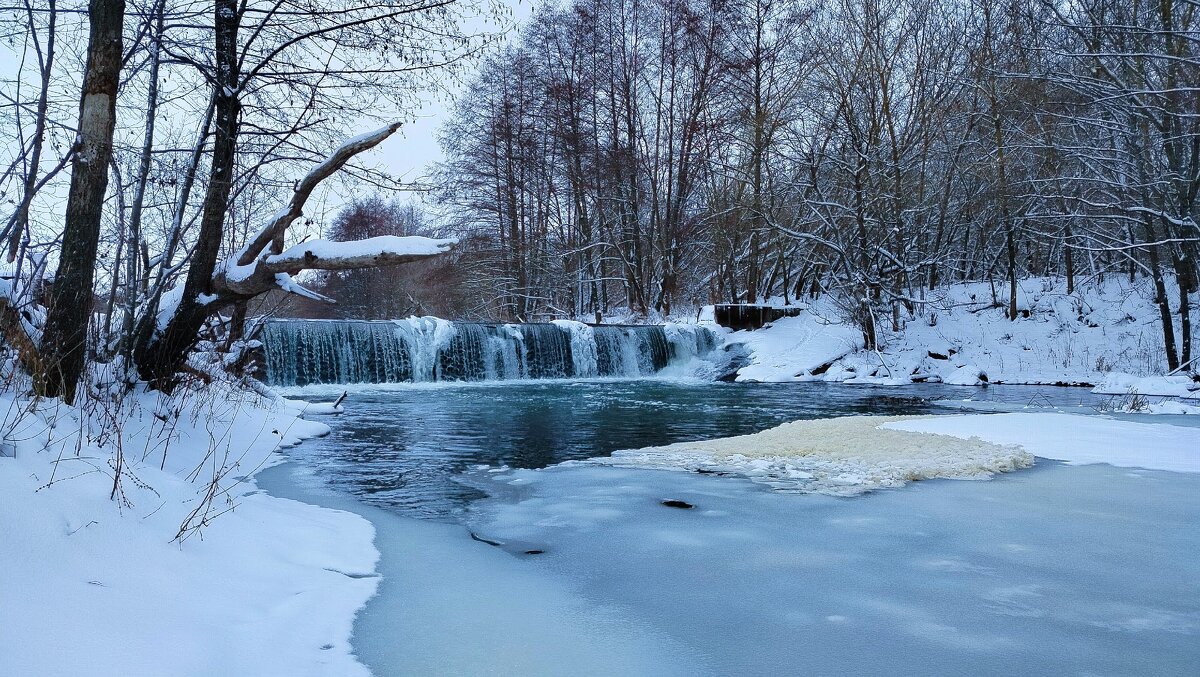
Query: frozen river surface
x=1088, y=570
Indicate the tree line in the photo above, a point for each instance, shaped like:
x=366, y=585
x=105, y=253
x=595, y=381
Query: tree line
x=658, y=154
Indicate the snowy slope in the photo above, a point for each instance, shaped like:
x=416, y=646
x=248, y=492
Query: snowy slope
x=793, y=346
x=1103, y=334
x=260, y=586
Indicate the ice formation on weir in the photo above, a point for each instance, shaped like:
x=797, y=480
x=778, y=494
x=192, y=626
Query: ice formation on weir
x=839, y=456
x=300, y=352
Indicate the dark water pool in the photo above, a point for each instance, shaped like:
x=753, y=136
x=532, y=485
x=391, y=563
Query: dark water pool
x=401, y=447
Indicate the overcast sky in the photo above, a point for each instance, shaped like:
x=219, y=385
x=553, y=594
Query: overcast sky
x=408, y=154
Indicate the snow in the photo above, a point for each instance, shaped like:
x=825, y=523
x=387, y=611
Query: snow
x=384, y=132
x=384, y=245
x=1105, y=333
x=794, y=346
x=855, y=454
x=1075, y=439
x=289, y=285
x=1177, y=385
x=1167, y=407
x=32, y=316
x=260, y=585
x=317, y=408
x=966, y=375
x=839, y=456
x=168, y=303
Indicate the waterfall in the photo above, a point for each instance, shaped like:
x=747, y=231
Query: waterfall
x=300, y=352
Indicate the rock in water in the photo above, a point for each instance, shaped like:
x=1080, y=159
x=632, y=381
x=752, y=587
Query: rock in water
x=675, y=503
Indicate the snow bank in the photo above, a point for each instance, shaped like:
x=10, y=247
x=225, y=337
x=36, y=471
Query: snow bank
x=1075, y=439
x=92, y=585
x=314, y=408
x=966, y=375
x=1170, y=407
x=1177, y=385
x=839, y=456
x=1099, y=334
x=795, y=346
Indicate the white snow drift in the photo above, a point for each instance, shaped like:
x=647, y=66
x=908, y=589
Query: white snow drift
x=98, y=586
x=855, y=454
x=1100, y=334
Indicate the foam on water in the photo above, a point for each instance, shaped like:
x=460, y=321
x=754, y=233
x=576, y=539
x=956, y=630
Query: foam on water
x=842, y=456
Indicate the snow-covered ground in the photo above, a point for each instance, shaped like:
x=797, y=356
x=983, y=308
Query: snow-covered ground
x=1075, y=439
x=1106, y=335
x=93, y=585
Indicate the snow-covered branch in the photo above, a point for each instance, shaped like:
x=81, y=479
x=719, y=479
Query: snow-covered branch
x=372, y=252
x=262, y=265
x=275, y=229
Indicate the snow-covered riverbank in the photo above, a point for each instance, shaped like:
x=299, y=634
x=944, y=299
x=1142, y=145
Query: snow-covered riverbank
x=95, y=584
x=1105, y=335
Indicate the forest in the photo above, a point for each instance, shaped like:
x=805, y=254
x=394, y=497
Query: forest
x=194, y=134
x=665, y=154
x=643, y=157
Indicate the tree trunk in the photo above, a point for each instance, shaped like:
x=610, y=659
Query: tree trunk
x=134, y=236
x=1183, y=278
x=1161, y=300
x=160, y=356
x=65, y=335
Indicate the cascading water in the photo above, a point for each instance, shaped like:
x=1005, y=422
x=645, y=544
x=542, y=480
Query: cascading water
x=300, y=352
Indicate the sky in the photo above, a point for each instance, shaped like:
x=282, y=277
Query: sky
x=410, y=153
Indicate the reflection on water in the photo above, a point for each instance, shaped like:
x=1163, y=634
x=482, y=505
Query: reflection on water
x=401, y=447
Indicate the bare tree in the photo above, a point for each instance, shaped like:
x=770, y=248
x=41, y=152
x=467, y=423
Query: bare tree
x=64, y=338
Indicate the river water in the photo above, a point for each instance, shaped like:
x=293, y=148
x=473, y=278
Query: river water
x=403, y=446
x=1054, y=570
